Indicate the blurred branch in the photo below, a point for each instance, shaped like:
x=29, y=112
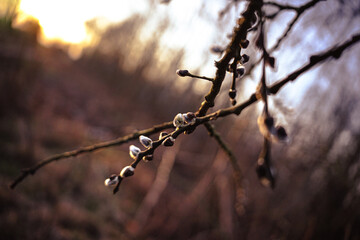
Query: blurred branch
x=279, y=6
x=31, y=171
x=235, y=166
x=227, y=8
x=299, y=11
x=237, y=173
x=198, y=192
x=161, y=181
x=315, y=59
x=284, y=35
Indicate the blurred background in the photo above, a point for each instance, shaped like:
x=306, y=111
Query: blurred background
x=74, y=73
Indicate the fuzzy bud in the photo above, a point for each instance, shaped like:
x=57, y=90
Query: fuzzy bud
x=179, y=120
x=269, y=122
x=189, y=117
x=182, y=73
x=245, y=58
x=127, y=171
x=281, y=134
x=112, y=180
x=266, y=125
x=265, y=173
x=232, y=93
x=168, y=142
x=240, y=71
x=145, y=141
x=261, y=169
x=134, y=151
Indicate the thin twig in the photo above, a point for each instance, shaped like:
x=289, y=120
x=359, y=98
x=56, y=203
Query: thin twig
x=315, y=59
x=186, y=73
x=201, y=77
x=280, y=6
x=32, y=170
x=299, y=11
x=284, y=35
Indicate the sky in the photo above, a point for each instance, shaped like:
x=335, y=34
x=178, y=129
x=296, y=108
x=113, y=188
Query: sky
x=65, y=21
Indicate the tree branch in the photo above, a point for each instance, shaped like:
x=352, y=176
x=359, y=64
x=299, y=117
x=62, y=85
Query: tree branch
x=32, y=170
x=240, y=33
x=314, y=60
x=335, y=52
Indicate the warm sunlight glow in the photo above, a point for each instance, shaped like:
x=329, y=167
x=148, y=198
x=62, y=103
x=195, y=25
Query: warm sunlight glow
x=190, y=24
x=64, y=20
